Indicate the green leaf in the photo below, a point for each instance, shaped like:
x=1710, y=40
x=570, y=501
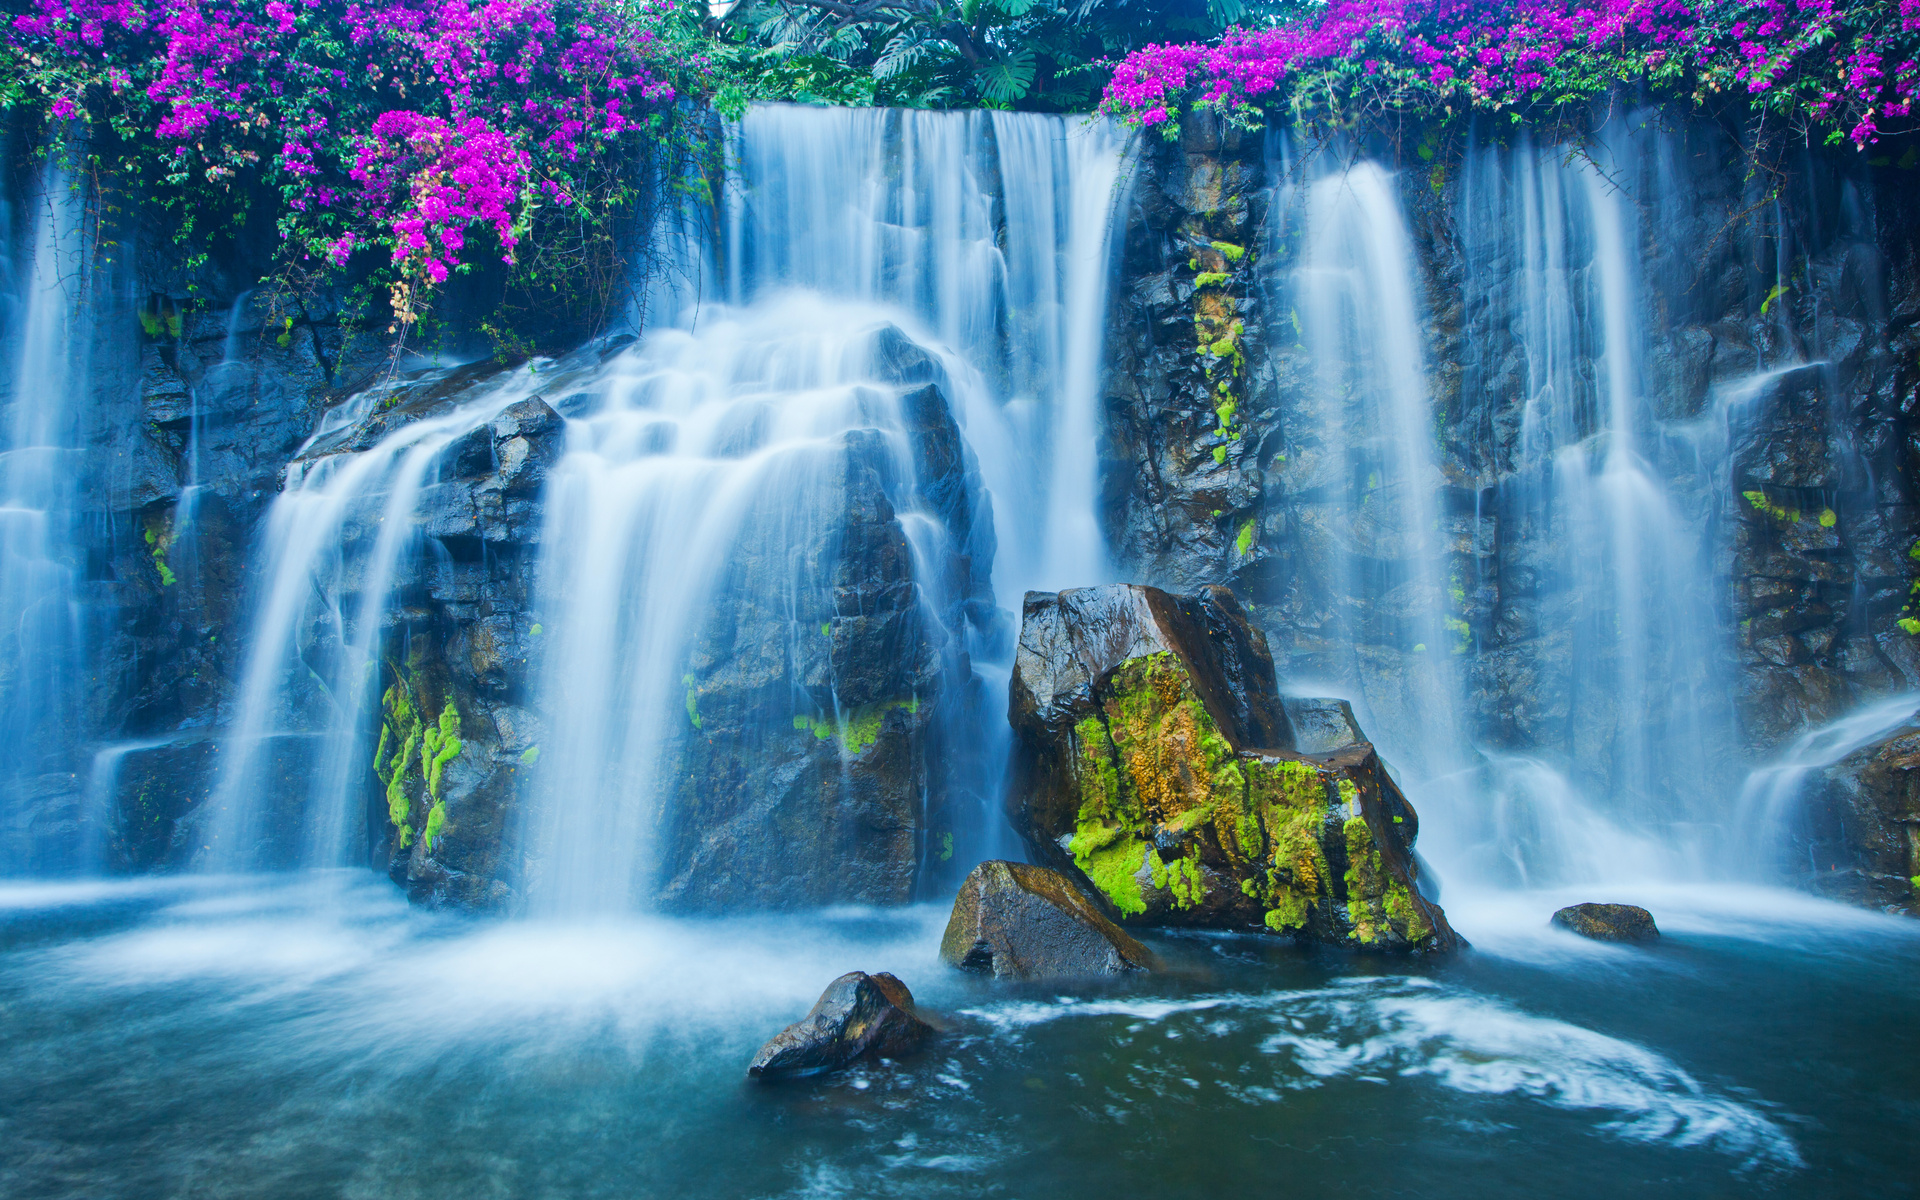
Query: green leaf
x=1225, y=12
x=1015, y=8
x=1007, y=78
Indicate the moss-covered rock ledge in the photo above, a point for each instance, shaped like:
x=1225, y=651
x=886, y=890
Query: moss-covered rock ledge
x=1155, y=763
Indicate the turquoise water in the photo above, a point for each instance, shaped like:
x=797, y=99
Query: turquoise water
x=311, y=1036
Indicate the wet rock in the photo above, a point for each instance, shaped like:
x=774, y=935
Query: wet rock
x=1608, y=922
x=1072, y=639
x=1858, y=835
x=1140, y=769
x=1017, y=921
x=858, y=1016
x=1322, y=726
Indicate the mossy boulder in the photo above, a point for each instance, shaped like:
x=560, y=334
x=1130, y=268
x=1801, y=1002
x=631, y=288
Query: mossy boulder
x=1608, y=922
x=1137, y=770
x=1018, y=921
x=858, y=1016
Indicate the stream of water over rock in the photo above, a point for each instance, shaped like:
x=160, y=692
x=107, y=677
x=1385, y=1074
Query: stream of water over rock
x=728, y=608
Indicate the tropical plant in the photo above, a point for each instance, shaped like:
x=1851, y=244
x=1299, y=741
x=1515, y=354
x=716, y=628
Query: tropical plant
x=1039, y=54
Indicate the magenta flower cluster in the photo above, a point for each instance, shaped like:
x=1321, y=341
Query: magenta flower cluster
x=403, y=123
x=1851, y=67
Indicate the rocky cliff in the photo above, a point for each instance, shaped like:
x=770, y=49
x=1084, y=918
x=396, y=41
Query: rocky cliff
x=1771, y=382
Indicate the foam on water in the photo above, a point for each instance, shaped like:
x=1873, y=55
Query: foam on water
x=1380, y=1029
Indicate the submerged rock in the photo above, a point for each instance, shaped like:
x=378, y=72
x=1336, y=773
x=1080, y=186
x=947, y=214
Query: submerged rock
x=858, y=1016
x=1154, y=761
x=1608, y=922
x=1017, y=921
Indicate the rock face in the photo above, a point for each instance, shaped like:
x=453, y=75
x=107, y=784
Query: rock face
x=1017, y=921
x=1228, y=460
x=858, y=1016
x=1861, y=830
x=1608, y=922
x=1153, y=762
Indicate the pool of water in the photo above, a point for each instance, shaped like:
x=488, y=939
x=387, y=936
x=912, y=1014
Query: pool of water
x=310, y=1035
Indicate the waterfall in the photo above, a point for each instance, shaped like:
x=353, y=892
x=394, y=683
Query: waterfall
x=1354, y=297
x=1571, y=721
x=888, y=353
x=293, y=775
x=43, y=376
x=1767, y=812
x=1634, y=673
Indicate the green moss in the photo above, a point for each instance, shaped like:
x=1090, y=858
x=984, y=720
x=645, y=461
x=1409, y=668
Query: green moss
x=1220, y=454
x=1209, y=278
x=1112, y=861
x=537, y=630
x=436, y=821
x=946, y=848
x=530, y=755
x=1828, y=518
x=1778, y=512
x=860, y=729
x=1366, y=879
x=1289, y=912
x=159, y=539
x=440, y=746
x=1224, y=411
x=693, y=700
x=1244, y=542
x=1402, y=911
x=1182, y=877
x=1232, y=252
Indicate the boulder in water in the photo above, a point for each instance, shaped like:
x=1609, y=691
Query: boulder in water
x=1017, y=921
x=858, y=1016
x=1155, y=762
x=1608, y=922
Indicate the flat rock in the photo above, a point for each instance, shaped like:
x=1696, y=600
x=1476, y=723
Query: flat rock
x=858, y=1016
x=1608, y=922
x=1017, y=921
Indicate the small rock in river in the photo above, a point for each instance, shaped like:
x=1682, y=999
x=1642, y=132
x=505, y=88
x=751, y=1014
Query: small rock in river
x=859, y=1015
x=1608, y=922
x=1024, y=922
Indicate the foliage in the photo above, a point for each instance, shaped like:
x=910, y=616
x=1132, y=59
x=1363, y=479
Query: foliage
x=1034, y=54
x=403, y=127
x=1828, y=67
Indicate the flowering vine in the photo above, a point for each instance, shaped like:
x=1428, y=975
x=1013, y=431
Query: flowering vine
x=398, y=125
x=1849, y=70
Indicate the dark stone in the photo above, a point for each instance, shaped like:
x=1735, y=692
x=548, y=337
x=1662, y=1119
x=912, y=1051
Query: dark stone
x=1070, y=640
x=1608, y=922
x=1016, y=921
x=1857, y=836
x=1139, y=768
x=1322, y=726
x=858, y=1016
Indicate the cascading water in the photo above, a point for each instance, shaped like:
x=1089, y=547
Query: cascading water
x=293, y=774
x=41, y=680
x=932, y=389
x=982, y=236
x=1370, y=417
x=1619, y=762
x=1637, y=719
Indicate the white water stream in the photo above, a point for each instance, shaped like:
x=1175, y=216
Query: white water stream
x=984, y=237
x=44, y=335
